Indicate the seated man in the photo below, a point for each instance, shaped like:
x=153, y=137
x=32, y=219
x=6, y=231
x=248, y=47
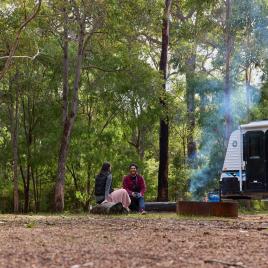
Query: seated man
x=135, y=186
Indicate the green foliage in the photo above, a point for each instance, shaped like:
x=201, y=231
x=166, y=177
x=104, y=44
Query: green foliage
x=31, y=224
x=119, y=92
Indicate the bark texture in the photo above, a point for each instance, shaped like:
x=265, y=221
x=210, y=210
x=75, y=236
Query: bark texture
x=164, y=122
x=14, y=139
x=190, y=93
x=229, y=43
x=68, y=116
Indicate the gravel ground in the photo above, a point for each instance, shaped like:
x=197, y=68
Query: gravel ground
x=153, y=240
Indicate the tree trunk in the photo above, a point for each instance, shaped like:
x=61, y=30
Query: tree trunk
x=190, y=93
x=14, y=138
x=25, y=179
x=138, y=140
x=248, y=85
x=69, y=117
x=229, y=41
x=248, y=69
x=28, y=125
x=65, y=67
x=190, y=97
x=26, y=195
x=35, y=190
x=164, y=122
x=86, y=206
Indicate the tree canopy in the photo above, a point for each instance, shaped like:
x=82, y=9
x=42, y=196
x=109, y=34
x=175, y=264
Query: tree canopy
x=81, y=83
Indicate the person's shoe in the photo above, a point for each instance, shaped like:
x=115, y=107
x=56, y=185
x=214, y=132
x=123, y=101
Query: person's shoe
x=143, y=212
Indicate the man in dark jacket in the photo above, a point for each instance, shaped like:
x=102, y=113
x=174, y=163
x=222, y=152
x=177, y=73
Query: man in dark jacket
x=135, y=185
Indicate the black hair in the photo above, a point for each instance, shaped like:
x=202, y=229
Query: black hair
x=105, y=168
x=133, y=164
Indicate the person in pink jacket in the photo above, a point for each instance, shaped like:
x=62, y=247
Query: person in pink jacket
x=104, y=191
x=135, y=186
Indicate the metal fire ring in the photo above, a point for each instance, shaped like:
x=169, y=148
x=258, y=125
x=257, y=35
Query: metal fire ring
x=217, y=209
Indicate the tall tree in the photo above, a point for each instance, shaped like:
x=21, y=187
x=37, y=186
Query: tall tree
x=190, y=69
x=13, y=114
x=229, y=44
x=164, y=121
x=68, y=118
x=86, y=21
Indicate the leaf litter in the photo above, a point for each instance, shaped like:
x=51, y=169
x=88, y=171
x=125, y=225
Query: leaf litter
x=79, y=241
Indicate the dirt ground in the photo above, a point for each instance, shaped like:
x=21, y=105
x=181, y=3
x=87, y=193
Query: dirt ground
x=153, y=240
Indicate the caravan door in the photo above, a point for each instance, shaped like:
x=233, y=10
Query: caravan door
x=254, y=157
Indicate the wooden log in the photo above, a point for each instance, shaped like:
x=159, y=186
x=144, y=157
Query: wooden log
x=117, y=208
x=160, y=206
x=109, y=208
x=217, y=209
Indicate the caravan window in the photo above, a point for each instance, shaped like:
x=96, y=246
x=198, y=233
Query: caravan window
x=255, y=146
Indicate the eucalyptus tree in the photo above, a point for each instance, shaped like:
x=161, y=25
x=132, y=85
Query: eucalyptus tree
x=14, y=124
x=238, y=42
x=190, y=26
x=7, y=9
x=164, y=124
x=80, y=22
x=15, y=25
x=186, y=18
x=229, y=47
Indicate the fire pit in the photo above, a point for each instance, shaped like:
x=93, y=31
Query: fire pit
x=217, y=209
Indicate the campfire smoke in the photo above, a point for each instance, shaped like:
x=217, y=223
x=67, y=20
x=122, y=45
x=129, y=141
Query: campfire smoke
x=246, y=81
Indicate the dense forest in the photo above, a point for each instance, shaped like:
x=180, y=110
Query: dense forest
x=160, y=83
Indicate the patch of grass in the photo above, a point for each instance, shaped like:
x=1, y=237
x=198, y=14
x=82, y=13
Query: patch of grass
x=244, y=211
x=253, y=207
x=153, y=215
x=150, y=215
x=31, y=224
x=159, y=216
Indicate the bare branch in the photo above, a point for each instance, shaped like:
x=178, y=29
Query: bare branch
x=77, y=13
x=102, y=69
x=210, y=43
x=184, y=18
x=173, y=73
x=22, y=57
x=151, y=39
x=109, y=119
x=180, y=14
x=15, y=45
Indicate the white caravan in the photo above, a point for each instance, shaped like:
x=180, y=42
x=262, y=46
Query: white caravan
x=245, y=168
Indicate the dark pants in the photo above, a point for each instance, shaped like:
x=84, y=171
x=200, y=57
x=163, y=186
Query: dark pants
x=137, y=203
